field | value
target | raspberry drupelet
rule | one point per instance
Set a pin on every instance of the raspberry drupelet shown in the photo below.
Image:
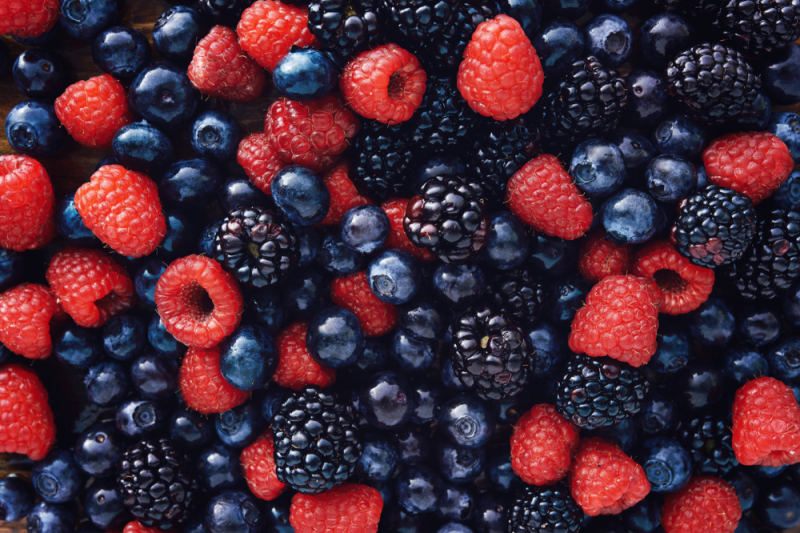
(259, 160)
(600, 258)
(542, 446)
(28, 18)
(258, 467)
(706, 505)
(348, 508)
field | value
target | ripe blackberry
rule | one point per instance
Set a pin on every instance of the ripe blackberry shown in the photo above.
(518, 294)
(345, 27)
(257, 246)
(714, 227)
(709, 441)
(599, 391)
(448, 218)
(317, 442)
(714, 82)
(588, 100)
(772, 262)
(544, 509)
(758, 26)
(381, 157)
(416, 21)
(157, 483)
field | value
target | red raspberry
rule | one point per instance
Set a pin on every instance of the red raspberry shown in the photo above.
(26, 421)
(121, 207)
(600, 258)
(93, 110)
(542, 446)
(138, 527)
(258, 465)
(28, 18)
(766, 424)
(311, 134)
(268, 29)
(219, 68)
(751, 163)
(604, 480)
(348, 508)
(501, 76)
(26, 204)
(296, 368)
(543, 196)
(683, 286)
(26, 312)
(344, 195)
(376, 316)
(203, 387)
(259, 160)
(90, 286)
(395, 209)
(385, 83)
(706, 505)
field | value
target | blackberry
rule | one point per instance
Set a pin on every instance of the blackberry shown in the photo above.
(257, 246)
(345, 27)
(550, 508)
(714, 82)
(448, 218)
(758, 26)
(157, 483)
(317, 442)
(702, 11)
(772, 262)
(416, 21)
(490, 354)
(381, 157)
(599, 391)
(709, 441)
(714, 227)
(588, 100)
(518, 294)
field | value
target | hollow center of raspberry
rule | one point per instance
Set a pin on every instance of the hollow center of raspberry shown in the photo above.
(669, 281)
(110, 303)
(397, 85)
(197, 302)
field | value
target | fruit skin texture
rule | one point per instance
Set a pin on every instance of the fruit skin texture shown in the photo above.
(296, 368)
(25, 314)
(26, 204)
(259, 160)
(604, 480)
(268, 29)
(600, 258)
(542, 195)
(258, 467)
(93, 110)
(138, 527)
(353, 293)
(28, 18)
(620, 320)
(344, 195)
(766, 424)
(348, 508)
(395, 209)
(203, 387)
(706, 505)
(501, 76)
(542, 446)
(26, 421)
(752, 163)
(121, 207)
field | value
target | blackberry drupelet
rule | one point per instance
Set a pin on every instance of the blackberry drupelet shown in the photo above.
(714, 82)
(345, 27)
(714, 227)
(518, 294)
(490, 354)
(257, 246)
(550, 508)
(317, 442)
(758, 26)
(416, 21)
(448, 218)
(382, 159)
(599, 391)
(157, 483)
(772, 262)
(445, 51)
(709, 440)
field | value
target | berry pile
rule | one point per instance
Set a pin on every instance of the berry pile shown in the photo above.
(484, 266)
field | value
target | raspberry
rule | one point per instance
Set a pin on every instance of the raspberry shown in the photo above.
(542, 445)
(501, 76)
(604, 480)
(259, 160)
(93, 110)
(348, 508)
(121, 207)
(26, 421)
(138, 527)
(268, 29)
(353, 292)
(220, 69)
(683, 286)
(203, 387)
(26, 204)
(258, 466)
(766, 424)
(600, 258)
(706, 505)
(385, 83)
(344, 195)
(754, 164)
(395, 209)
(25, 315)
(619, 319)
(200, 304)
(543, 196)
(296, 368)
(311, 134)
(27, 18)
(90, 286)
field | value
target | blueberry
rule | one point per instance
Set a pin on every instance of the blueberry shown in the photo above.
(623, 434)
(46, 517)
(664, 36)
(70, 225)
(666, 463)
(779, 506)
(423, 319)
(85, 19)
(57, 478)
(597, 167)
(499, 471)
(190, 429)
(699, 385)
(547, 348)
(176, 33)
(124, 337)
(658, 416)
(378, 460)
(609, 38)
(305, 74)
(240, 426)
(146, 278)
(387, 400)
(12, 265)
(338, 258)
(190, 183)
(154, 377)
(743, 364)
(233, 511)
(458, 464)
(103, 505)
(527, 12)
(410, 353)
(787, 197)
(194, 525)
(791, 305)
(40, 40)
(419, 489)
(248, 357)
(271, 402)
(335, 338)
(637, 150)
(262, 307)
(566, 297)
(437, 165)
(467, 421)
(219, 9)
(767, 472)
(459, 285)
(215, 135)
(429, 397)
(110, 160)
(702, 176)
(670, 178)
(373, 358)
(507, 245)
(449, 378)
(162, 340)
(106, 383)
(99, 449)
(38, 74)
(758, 326)
(783, 358)
(553, 256)
(163, 95)
(630, 217)
(77, 346)
(787, 127)
(16, 499)
(183, 230)
(558, 44)
(510, 410)
(142, 147)
(780, 74)
(300, 195)
(413, 444)
(457, 504)
(492, 508)
(136, 418)
(121, 52)
(745, 526)
(679, 135)
(618, 6)
(644, 517)
(305, 294)
(746, 487)
(236, 192)
(33, 129)
(277, 514)
(309, 244)
(712, 324)
(394, 276)
(218, 467)
(364, 228)
(571, 9)
(756, 115)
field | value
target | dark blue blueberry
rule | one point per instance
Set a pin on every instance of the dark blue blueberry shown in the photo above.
(16, 499)
(219, 10)
(335, 338)
(103, 505)
(106, 383)
(32, 128)
(413, 444)
(373, 358)
(338, 258)
(85, 19)
(248, 357)
(644, 517)
(449, 378)
(190, 429)
(301, 195)
(394, 276)
(702, 176)
(305, 293)
(458, 464)
(666, 463)
(233, 511)
(743, 364)
(767, 472)
(146, 278)
(12, 266)
(110, 160)
(423, 319)
(124, 337)
(457, 504)
(664, 36)
(429, 397)
(507, 245)
(99, 449)
(791, 305)
(77, 346)
(787, 197)
(5, 58)
(609, 38)
(183, 230)
(624, 434)
(309, 244)
(411, 353)
(566, 297)
(271, 402)
(176, 33)
(699, 385)
(467, 421)
(215, 135)
(571, 9)
(38, 74)
(786, 126)
(305, 74)
(276, 514)
(364, 228)
(618, 6)
(193, 525)
(758, 326)
(658, 416)
(240, 426)
(552, 256)
(57, 478)
(712, 324)
(387, 400)
(670, 178)
(499, 471)
(558, 44)
(630, 217)
(121, 51)
(40, 40)
(142, 147)
(378, 460)
(637, 150)
(190, 183)
(784, 358)
(547, 347)
(154, 377)
(459, 285)
(673, 349)
(778, 506)
(492, 508)
(262, 307)
(46, 517)
(756, 116)
(418, 489)
(70, 225)
(746, 487)
(679, 135)
(597, 167)
(163, 95)
(780, 74)
(218, 467)
(436, 165)
(162, 340)
(136, 418)
(237, 192)
(510, 410)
